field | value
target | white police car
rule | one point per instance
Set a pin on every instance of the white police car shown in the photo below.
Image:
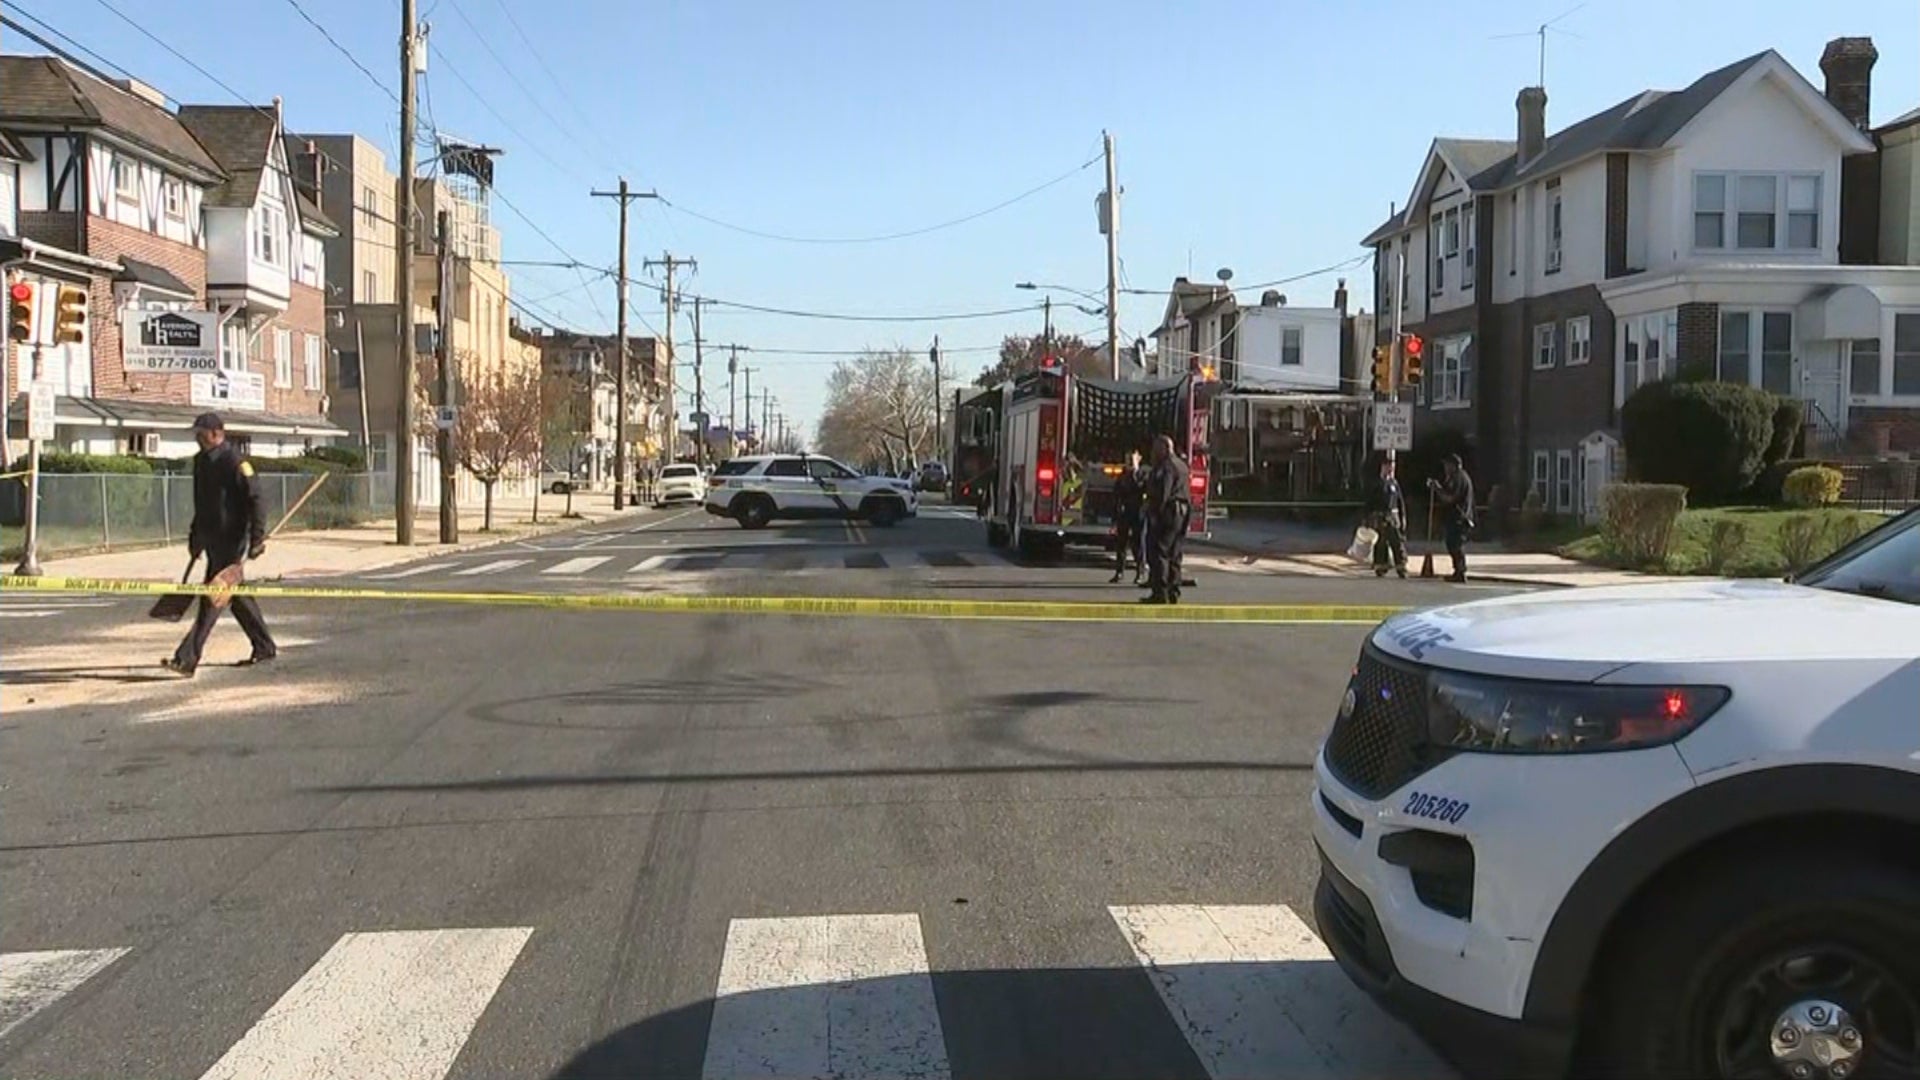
(1653, 831)
(756, 490)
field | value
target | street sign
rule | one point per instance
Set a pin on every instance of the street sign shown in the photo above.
(40, 413)
(170, 341)
(1393, 425)
(444, 417)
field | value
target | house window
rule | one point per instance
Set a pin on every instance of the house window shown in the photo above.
(1543, 475)
(1863, 366)
(1579, 340)
(1406, 275)
(1758, 204)
(1629, 358)
(1466, 260)
(313, 365)
(1735, 362)
(126, 180)
(1290, 337)
(1543, 342)
(1513, 234)
(1563, 482)
(269, 235)
(1653, 353)
(174, 194)
(1554, 234)
(1776, 352)
(1453, 371)
(1710, 211)
(1766, 336)
(233, 345)
(283, 358)
(1906, 354)
(1436, 242)
(380, 454)
(369, 206)
(369, 287)
(1452, 232)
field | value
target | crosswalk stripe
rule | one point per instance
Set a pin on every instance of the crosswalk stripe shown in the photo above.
(423, 568)
(577, 566)
(493, 567)
(26, 614)
(31, 981)
(1257, 994)
(395, 1004)
(651, 562)
(835, 995)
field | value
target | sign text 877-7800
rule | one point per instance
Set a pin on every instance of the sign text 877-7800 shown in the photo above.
(199, 364)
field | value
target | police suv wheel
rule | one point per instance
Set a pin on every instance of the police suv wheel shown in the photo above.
(753, 511)
(884, 512)
(1784, 962)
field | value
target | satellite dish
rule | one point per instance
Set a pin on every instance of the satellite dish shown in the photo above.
(1224, 274)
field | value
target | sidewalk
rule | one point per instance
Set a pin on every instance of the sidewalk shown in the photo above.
(359, 548)
(1322, 548)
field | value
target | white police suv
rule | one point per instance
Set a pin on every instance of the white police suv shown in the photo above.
(756, 490)
(1652, 831)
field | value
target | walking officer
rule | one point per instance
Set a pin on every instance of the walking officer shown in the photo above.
(1129, 498)
(1169, 505)
(229, 527)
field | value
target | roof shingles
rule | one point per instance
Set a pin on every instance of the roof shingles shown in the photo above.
(45, 90)
(240, 138)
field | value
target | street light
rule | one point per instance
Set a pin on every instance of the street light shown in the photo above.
(1101, 304)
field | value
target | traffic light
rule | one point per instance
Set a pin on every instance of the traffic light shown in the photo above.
(20, 312)
(70, 316)
(1414, 350)
(1382, 369)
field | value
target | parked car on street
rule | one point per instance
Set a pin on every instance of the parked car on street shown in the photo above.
(932, 477)
(759, 489)
(1658, 831)
(681, 483)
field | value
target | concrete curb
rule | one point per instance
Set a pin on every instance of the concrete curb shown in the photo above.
(1494, 578)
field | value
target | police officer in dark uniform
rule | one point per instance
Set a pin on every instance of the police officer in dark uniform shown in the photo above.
(1169, 505)
(229, 527)
(1129, 501)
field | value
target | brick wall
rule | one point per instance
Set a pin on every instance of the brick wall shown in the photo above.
(1902, 426)
(60, 228)
(306, 316)
(1698, 338)
(113, 241)
(1616, 215)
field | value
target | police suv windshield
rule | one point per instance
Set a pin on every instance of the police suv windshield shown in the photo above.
(1884, 564)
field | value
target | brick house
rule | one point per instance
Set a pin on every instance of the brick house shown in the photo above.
(114, 190)
(1702, 228)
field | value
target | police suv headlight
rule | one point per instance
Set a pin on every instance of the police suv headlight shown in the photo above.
(1478, 713)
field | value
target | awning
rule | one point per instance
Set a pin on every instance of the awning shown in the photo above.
(103, 412)
(153, 278)
(1846, 311)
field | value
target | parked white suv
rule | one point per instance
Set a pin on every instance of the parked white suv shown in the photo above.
(681, 483)
(756, 490)
(1653, 831)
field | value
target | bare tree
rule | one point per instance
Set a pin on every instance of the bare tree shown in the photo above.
(1019, 355)
(499, 423)
(879, 409)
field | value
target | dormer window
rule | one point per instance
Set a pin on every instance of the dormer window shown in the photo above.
(270, 235)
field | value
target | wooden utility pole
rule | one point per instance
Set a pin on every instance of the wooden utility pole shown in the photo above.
(403, 222)
(748, 398)
(1110, 225)
(620, 333)
(938, 452)
(671, 299)
(443, 349)
(733, 415)
(699, 392)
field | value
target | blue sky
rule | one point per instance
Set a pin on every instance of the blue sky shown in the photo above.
(1266, 137)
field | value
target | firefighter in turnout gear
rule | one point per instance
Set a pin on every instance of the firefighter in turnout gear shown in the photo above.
(1129, 498)
(1169, 505)
(229, 527)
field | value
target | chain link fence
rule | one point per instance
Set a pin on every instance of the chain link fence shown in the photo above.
(88, 512)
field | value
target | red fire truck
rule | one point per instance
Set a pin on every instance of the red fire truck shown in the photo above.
(1051, 445)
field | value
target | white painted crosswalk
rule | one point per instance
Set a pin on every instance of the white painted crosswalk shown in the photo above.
(577, 565)
(494, 567)
(1250, 989)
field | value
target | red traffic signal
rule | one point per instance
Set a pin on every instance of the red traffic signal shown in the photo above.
(1414, 345)
(21, 292)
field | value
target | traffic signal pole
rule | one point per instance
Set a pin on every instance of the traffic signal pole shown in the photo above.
(1394, 361)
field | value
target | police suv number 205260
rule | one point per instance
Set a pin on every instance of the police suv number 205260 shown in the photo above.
(1662, 831)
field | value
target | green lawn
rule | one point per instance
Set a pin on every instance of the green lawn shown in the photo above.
(1762, 554)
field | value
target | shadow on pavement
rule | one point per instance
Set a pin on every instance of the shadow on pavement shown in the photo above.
(61, 676)
(1245, 1019)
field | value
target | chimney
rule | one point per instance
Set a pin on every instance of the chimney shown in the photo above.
(1272, 298)
(319, 173)
(1340, 297)
(1848, 63)
(1532, 107)
(142, 91)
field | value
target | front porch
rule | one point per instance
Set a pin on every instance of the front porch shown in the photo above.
(1281, 449)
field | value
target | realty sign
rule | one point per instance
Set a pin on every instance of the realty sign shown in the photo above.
(170, 341)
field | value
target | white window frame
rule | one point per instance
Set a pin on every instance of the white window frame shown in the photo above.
(282, 357)
(315, 368)
(1579, 340)
(1543, 475)
(1436, 236)
(1467, 251)
(1891, 354)
(369, 205)
(1782, 213)
(1545, 346)
(1563, 486)
(369, 287)
(1556, 233)
(126, 179)
(270, 235)
(1294, 339)
(1879, 355)
(173, 197)
(1755, 345)
(233, 345)
(1452, 376)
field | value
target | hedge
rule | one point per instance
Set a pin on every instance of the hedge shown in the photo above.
(1636, 520)
(1789, 419)
(1814, 485)
(1708, 437)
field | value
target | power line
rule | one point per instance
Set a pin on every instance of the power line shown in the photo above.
(504, 66)
(845, 317)
(62, 53)
(178, 55)
(441, 55)
(342, 50)
(1029, 193)
(1346, 264)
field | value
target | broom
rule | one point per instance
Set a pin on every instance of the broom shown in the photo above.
(173, 606)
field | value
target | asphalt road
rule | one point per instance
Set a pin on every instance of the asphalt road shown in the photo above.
(477, 841)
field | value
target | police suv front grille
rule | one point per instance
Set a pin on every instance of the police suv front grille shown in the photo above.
(1383, 744)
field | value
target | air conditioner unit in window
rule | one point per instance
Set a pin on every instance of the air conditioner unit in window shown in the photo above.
(1553, 259)
(147, 444)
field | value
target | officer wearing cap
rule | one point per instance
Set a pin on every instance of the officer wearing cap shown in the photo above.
(229, 527)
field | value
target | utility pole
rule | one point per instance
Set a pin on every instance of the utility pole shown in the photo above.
(671, 300)
(443, 346)
(1047, 345)
(938, 446)
(766, 416)
(1110, 224)
(748, 397)
(733, 417)
(699, 392)
(620, 332)
(403, 420)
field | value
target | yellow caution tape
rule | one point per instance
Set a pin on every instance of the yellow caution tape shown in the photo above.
(868, 606)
